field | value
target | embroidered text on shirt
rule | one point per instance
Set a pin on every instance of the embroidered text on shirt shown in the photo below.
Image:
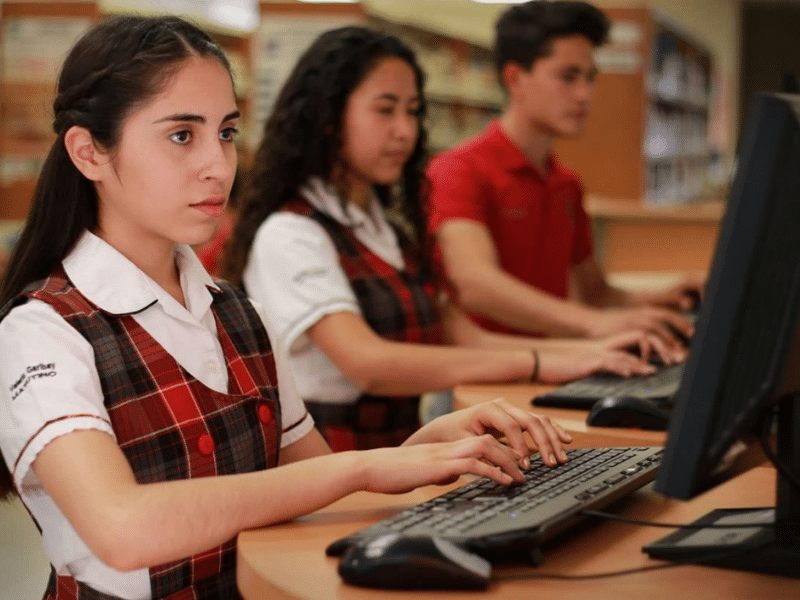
(32, 372)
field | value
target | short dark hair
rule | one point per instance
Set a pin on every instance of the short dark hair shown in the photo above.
(525, 32)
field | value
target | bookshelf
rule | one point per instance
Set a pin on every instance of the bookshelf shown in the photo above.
(646, 140)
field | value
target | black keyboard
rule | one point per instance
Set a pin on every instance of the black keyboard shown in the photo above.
(495, 520)
(659, 387)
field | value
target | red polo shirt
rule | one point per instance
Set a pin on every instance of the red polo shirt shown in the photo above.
(537, 220)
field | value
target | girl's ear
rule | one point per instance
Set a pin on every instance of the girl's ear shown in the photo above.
(85, 155)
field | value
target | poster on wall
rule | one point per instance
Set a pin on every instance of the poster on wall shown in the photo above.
(277, 45)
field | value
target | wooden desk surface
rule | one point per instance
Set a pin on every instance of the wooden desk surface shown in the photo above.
(288, 561)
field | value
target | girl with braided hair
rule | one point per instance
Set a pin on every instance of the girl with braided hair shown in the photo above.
(143, 419)
(332, 241)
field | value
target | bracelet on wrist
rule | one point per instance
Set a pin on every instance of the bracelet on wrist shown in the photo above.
(535, 373)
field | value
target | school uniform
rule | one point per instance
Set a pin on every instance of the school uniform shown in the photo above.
(318, 256)
(186, 392)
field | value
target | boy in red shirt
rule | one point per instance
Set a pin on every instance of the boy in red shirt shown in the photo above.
(509, 218)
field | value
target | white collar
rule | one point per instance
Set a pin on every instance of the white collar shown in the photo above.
(119, 287)
(324, 197)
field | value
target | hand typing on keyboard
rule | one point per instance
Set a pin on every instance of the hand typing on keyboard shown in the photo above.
(648, 347)
(625, 354)
(660, 322)
(501, 419)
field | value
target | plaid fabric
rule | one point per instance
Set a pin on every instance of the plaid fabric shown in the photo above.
(170, 426)
(372, 422)
(220, 587)
(399, 306)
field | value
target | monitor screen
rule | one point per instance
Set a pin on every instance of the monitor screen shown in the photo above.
(744, 362)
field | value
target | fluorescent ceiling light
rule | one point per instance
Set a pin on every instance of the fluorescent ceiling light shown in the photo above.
(235, 14)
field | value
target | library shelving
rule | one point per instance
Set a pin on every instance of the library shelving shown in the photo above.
(646, 139)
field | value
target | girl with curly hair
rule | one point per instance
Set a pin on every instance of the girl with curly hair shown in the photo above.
(332, 240)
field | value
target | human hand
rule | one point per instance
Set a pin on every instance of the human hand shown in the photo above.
(667, 325)
(501, 419)
(400, 470)
(562, 367)
(684, 296)
(642, 344)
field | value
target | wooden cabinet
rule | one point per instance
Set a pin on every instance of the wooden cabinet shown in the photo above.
(646, 138)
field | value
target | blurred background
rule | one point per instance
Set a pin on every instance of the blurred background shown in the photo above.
(656, 158)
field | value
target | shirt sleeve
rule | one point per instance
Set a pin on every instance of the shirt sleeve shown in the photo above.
(456, 191)
(294, 272)
(296, 420)
(49, 386)
(582, 248)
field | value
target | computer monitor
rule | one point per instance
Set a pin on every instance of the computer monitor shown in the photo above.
(744, 363)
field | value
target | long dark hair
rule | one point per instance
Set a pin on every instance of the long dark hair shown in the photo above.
(116, 67)
(303, 138)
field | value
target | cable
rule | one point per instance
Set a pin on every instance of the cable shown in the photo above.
(613, 517)
(607, 574)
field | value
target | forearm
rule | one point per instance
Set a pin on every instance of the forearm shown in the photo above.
(130, 525)
(408, 369)
(168, 521)
(460, 330)
(608, 296)
(379, 366)
(512, 302)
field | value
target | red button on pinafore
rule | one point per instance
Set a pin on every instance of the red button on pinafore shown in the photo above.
(264, 414)
(205, 444)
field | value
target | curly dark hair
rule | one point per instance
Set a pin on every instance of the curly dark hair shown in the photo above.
(303, 138)
(525, 32)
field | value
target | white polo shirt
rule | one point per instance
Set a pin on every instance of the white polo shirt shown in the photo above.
(293, 270)
(49, 385)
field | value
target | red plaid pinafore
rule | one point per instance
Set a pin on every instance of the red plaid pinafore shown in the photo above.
(397, 305)
(170, 426)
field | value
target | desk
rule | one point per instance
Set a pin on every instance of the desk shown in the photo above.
(288, 561)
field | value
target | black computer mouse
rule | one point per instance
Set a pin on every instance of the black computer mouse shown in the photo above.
(396, 561)
(628, 411)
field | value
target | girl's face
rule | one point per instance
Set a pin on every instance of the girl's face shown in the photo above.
(381, 124)
(169, 179)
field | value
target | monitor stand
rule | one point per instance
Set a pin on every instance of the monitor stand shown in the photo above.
(752, 547)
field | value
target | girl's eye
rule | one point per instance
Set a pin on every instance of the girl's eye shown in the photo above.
(181, 137)
(228, 134)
